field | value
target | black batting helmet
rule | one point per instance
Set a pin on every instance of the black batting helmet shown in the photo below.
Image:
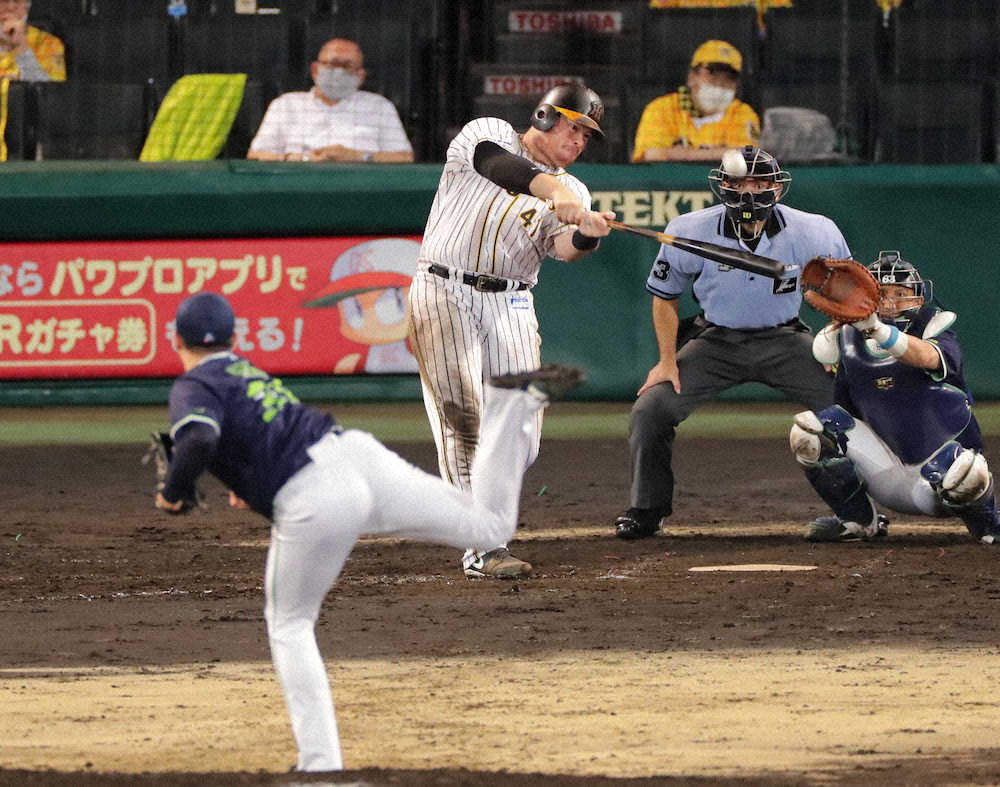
(574, 101)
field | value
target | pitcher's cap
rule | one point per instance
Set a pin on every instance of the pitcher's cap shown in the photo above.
(205, 319)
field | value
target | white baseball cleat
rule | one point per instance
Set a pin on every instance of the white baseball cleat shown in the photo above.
(497, 563)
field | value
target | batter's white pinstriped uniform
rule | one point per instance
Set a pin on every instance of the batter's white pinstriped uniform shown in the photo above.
(461, 335)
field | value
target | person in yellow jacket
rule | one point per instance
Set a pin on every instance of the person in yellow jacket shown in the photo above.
(26, 52)
(703, 117)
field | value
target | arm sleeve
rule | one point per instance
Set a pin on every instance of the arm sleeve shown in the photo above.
(194, 450)
(462, 150)
(507, 170)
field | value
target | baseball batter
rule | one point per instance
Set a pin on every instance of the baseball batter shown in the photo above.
(901, 431)
(323, 487)
(749, 330)
(504, 203)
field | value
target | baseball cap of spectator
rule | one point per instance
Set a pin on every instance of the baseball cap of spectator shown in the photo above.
(205, 319)
(718, 52)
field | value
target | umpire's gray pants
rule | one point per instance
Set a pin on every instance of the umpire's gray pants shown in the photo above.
(716, 360)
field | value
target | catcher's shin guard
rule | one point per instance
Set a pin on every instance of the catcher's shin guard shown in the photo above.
(838, 483)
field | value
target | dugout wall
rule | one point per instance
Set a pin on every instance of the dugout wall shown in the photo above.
(595, 313)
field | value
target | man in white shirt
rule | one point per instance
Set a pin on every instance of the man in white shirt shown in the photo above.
(334, 121)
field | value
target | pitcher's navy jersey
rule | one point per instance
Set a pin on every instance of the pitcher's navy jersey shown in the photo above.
(263, 431)
(915, 411)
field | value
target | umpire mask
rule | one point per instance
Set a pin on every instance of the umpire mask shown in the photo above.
(336, 83)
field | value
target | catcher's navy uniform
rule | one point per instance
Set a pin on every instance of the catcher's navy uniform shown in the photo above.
(896, 431)
(892, 397)
(324, 488)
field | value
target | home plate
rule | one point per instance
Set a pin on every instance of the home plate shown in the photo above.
(755, 567)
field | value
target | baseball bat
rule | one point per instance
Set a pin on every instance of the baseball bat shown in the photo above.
(736, 258)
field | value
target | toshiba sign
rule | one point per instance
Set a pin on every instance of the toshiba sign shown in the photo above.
(561, 21)
(523, 84)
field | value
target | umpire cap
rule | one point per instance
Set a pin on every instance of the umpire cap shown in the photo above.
(573, 101)
(205, 319)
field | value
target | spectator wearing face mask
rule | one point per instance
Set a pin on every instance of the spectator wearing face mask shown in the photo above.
(334, 121)
(704, 117)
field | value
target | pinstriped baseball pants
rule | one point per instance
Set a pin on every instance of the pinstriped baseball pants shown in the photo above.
(461, 338)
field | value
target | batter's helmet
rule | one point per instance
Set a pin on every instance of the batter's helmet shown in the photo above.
(576, 102)
(891, 268)
(727, 179)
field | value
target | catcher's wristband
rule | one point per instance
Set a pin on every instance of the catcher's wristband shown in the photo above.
(897, 342)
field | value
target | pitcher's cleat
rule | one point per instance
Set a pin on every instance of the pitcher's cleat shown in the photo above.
(550, 381)
(498, 563)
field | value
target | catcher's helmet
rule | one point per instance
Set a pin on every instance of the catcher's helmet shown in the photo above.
(890, 268)
(728, 180)
(576, 102)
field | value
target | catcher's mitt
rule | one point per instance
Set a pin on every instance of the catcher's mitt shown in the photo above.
(161, 451)
(844, 289)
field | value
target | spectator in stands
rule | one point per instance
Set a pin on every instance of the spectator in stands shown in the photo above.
(334, 121)
(26, 52)
(704, 117)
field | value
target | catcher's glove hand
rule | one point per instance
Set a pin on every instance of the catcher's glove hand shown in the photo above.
(161, 451)
(844, 289)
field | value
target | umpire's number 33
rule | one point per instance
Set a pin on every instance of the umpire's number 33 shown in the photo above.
(661, 268)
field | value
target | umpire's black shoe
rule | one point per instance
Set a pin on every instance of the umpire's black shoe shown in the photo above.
(638, 523)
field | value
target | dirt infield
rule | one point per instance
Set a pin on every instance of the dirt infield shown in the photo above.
(134, 649)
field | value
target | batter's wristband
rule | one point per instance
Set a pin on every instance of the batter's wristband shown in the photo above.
(897, 342)
(584, 242)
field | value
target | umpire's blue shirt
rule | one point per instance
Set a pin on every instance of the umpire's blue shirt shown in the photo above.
(734, 298)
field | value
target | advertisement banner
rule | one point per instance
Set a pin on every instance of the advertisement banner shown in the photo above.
(335, 305)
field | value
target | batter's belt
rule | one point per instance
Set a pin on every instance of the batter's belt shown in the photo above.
(480, 281)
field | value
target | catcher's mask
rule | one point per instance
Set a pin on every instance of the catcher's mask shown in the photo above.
(749, 185)
(574, 102)
(891, 270)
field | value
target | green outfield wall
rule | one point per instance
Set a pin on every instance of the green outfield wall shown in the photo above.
(594, 313)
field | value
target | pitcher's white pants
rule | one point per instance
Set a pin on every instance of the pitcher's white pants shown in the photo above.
(355, 486)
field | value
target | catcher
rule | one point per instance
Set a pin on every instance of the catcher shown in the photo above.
(901, 431)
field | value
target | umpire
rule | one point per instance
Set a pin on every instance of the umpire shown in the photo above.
(748, 330)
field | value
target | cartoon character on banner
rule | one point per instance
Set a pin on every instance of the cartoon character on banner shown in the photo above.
(369, 284)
